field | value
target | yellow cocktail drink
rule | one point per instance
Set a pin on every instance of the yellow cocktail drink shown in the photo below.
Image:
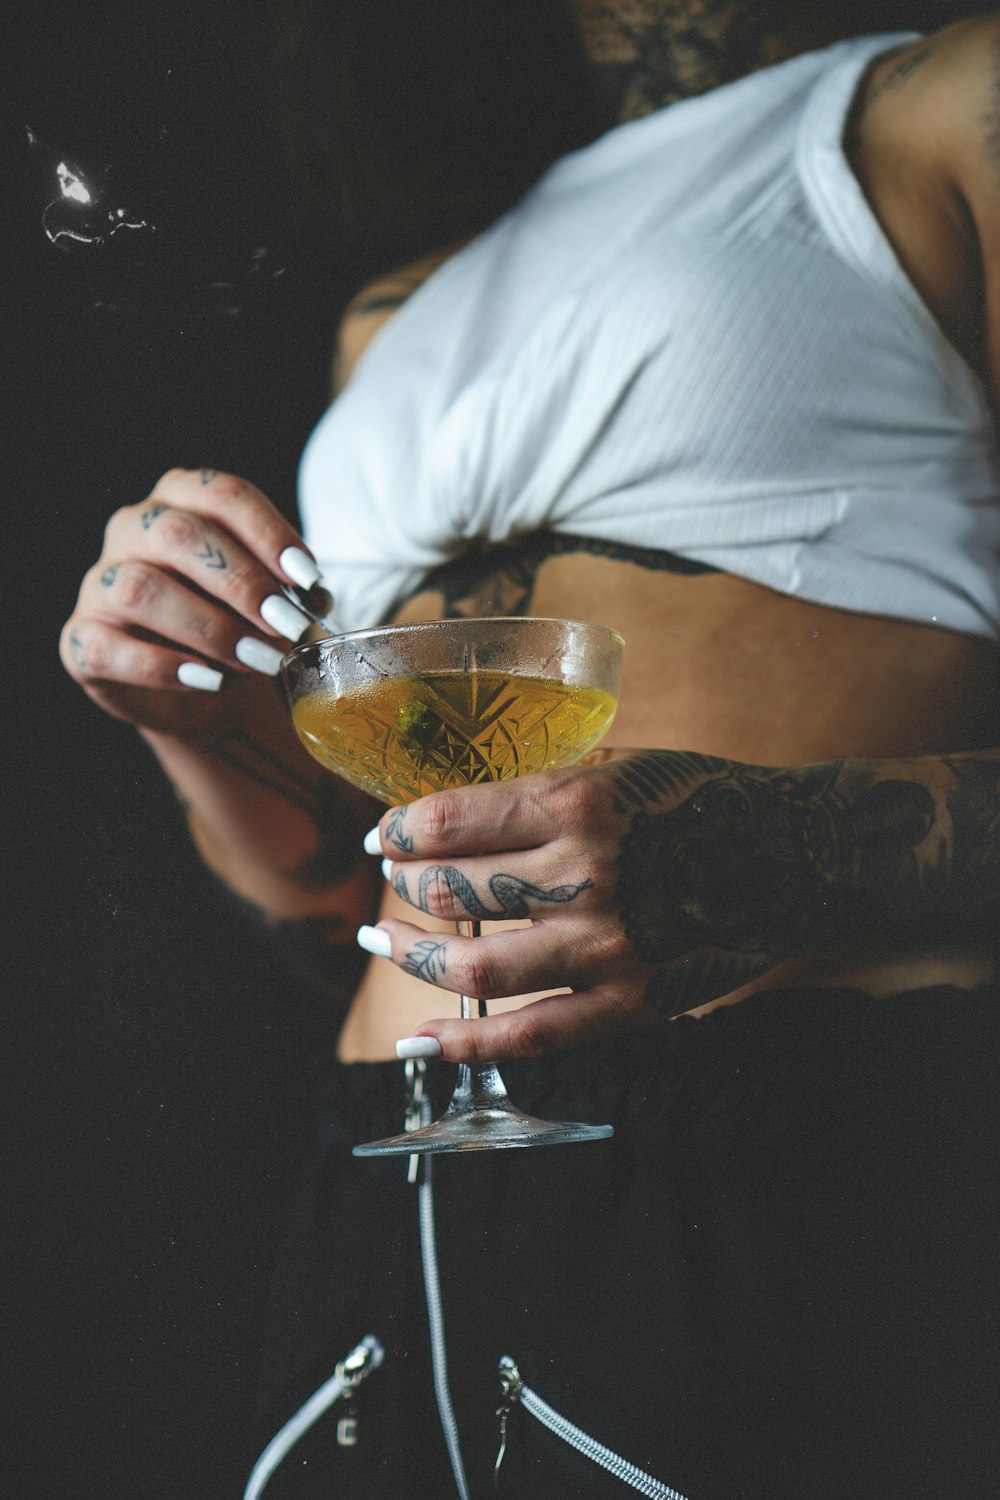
(400, 738)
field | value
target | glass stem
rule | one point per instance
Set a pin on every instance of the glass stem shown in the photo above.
(471, 930)
(479, 1085)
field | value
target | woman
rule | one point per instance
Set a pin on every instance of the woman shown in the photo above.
(723, 380)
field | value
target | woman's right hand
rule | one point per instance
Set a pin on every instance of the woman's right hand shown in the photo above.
(183, 607)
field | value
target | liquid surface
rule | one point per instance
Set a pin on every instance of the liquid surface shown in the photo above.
(400, 738)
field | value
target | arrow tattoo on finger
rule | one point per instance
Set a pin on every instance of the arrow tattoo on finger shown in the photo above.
(208, 552)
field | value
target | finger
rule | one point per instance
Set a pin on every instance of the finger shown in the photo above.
(551, 1024)
(498, 816)
(246, 513)
(481, 890)
(138, 595)
(492, 967)
(198, 550)
(97, 654)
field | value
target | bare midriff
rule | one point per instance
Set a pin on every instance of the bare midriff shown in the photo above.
(722, 666)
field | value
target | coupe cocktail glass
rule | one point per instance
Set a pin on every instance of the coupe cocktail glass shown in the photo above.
(405, 710)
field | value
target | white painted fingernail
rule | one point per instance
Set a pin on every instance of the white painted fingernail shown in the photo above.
(299, 567)
(387, 868)
(282, 616)
(419, 1046)
(374, 940)
(373, 843)
(195, 674)
(258, 655)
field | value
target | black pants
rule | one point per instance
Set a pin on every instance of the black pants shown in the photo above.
(778, 1279)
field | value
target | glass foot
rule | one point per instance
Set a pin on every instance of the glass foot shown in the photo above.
(495, 1127)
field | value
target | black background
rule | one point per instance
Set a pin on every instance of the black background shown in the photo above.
(152, 1112)
(150, 1069)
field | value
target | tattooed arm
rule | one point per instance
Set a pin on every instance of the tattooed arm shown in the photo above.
(664, 880)
(645, 54)
(282, 835)
(179, 629)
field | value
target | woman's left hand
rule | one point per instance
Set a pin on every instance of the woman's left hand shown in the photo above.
(610, 863)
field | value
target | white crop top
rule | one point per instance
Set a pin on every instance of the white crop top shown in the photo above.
(691, 335)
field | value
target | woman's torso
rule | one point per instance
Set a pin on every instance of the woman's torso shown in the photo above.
(725, 666)
(691, 335)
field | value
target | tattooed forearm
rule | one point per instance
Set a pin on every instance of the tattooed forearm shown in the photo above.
(334, 815)
(973, 850)
(259, 764)
(726, 869)
(756, 859)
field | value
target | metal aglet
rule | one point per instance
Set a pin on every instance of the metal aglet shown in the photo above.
(364, 1358)
(510, 1380)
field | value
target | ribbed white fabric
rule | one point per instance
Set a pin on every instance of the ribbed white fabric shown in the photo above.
(691, 335)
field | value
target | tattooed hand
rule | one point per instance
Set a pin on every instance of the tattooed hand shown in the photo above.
(184, 596)
(655, 883)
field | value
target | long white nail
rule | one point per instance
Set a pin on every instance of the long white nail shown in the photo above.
(373, 843)
(299, 567)
(195, 674)
(374, 940)
(419, 1046)
(259, 655)
(282, 616)
(387, 869)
